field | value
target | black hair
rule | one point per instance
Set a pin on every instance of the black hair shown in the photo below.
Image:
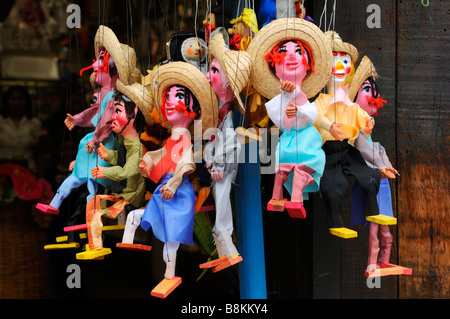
(139, 119)
(112, 68)
(187, 97)
(373, 86)
(5, 112)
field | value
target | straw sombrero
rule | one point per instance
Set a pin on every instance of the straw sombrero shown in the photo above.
(365, 70)
(124, 56)
(262, 77)
(235, 64)
(337, 45)
(140, 96)
(185, 74)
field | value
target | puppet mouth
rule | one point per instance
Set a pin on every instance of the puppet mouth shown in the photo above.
(170, 110)
(291, 65)
(339, 75)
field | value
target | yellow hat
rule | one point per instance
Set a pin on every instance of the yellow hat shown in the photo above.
(248, 16)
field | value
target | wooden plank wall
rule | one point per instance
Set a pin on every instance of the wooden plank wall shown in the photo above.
(411, 56)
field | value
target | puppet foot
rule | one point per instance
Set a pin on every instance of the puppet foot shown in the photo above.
(131, 246)
(386, 269)
(165, 287)
(276, 205)
(382, 219)
(295, 209)
(343, 232)
(61, 246)
(215, 262)
(232, 260)
(48, 209)
(93, 254)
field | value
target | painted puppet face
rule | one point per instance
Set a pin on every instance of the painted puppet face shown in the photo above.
(292, 68)
(193, 50)
(364, 96)
(219, 81)
(119, 118)
(102, 76)
(342, 67)
(175, 106)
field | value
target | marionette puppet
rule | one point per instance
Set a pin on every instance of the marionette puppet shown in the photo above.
(186, 105)
(188, 46)
(229, 72)
(244, 30)
(113, 61)
(363, 90)
(339, 123)
(218, 17)
(292, 54)
(127, 184)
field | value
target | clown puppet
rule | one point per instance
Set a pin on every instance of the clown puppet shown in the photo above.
(339, 123)
(364, 91)
(229, 72)
(186, 105)
(127, 184)
(113, 61)
(292, 63)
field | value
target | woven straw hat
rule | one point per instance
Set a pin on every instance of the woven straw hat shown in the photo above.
(185, 74)
(365, 70)
(140, 96)
(264, 80)
(337, 45)
(124, 56)
(236, 65)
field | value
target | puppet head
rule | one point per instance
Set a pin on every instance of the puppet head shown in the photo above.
(188, 46)
(345, 56)
(218, 17)
(229, 71)
(316, 55)
(363, 89)
(180, 81)
(244, 26)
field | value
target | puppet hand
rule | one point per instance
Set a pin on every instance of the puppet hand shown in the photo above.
(90, 148)
(143, 167)
(102, 152)
(336, 132)
(97, 172)
(291, 110)
(287, 86)
(388, 172)
(166, 193)
(368, 128)
(69, 122)
(216, 175)
(71, 165)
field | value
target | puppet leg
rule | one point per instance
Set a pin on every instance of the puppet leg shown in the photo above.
(170, 256)
(133, 221)
(374, 247)
(386, 244)
(224, 215)
(277, 201)
(302, 177)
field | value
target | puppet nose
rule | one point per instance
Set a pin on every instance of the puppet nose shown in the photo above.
(339, 66)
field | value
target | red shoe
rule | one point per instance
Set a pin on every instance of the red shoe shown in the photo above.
(48, 209)
(295, 209)
(276, 205)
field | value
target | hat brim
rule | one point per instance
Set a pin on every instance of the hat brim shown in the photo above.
(262, 77)
(185, 74)
(236, 65)
(140, 96)
(365, 70)
(337, 45)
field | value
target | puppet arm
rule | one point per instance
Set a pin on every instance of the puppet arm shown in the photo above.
(103, 128)
(185, 166)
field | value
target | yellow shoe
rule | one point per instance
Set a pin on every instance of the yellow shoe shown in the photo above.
(382, 219)
(343, 232)
(61, 246)
(93, 254)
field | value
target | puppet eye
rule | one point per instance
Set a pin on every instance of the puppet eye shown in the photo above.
(180, 96)
(215, 70)
(117, 111)
(345, 61)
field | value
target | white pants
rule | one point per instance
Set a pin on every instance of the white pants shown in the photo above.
(133, 221)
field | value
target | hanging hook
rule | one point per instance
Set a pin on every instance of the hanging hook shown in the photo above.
(425, 3)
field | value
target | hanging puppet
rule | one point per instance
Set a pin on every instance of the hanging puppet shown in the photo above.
(186, 105)
(292, 54)
(229, 72)
(128, 185)
(339, 123)
(188, 46)
(218, 17)
(363, 90)
(113, 61)
(244, 30)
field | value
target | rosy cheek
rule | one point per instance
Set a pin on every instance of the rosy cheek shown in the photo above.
(348, 69)
(214, 80)
(333, 69)
(190, 51)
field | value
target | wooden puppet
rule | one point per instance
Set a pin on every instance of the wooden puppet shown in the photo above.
(218, 17)
(244, 29)
(363, 90)
(188, 46)
(186, 105)
(127, 184)
(229, 72)
(339, 124)
(113, 61)
(292, 54)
